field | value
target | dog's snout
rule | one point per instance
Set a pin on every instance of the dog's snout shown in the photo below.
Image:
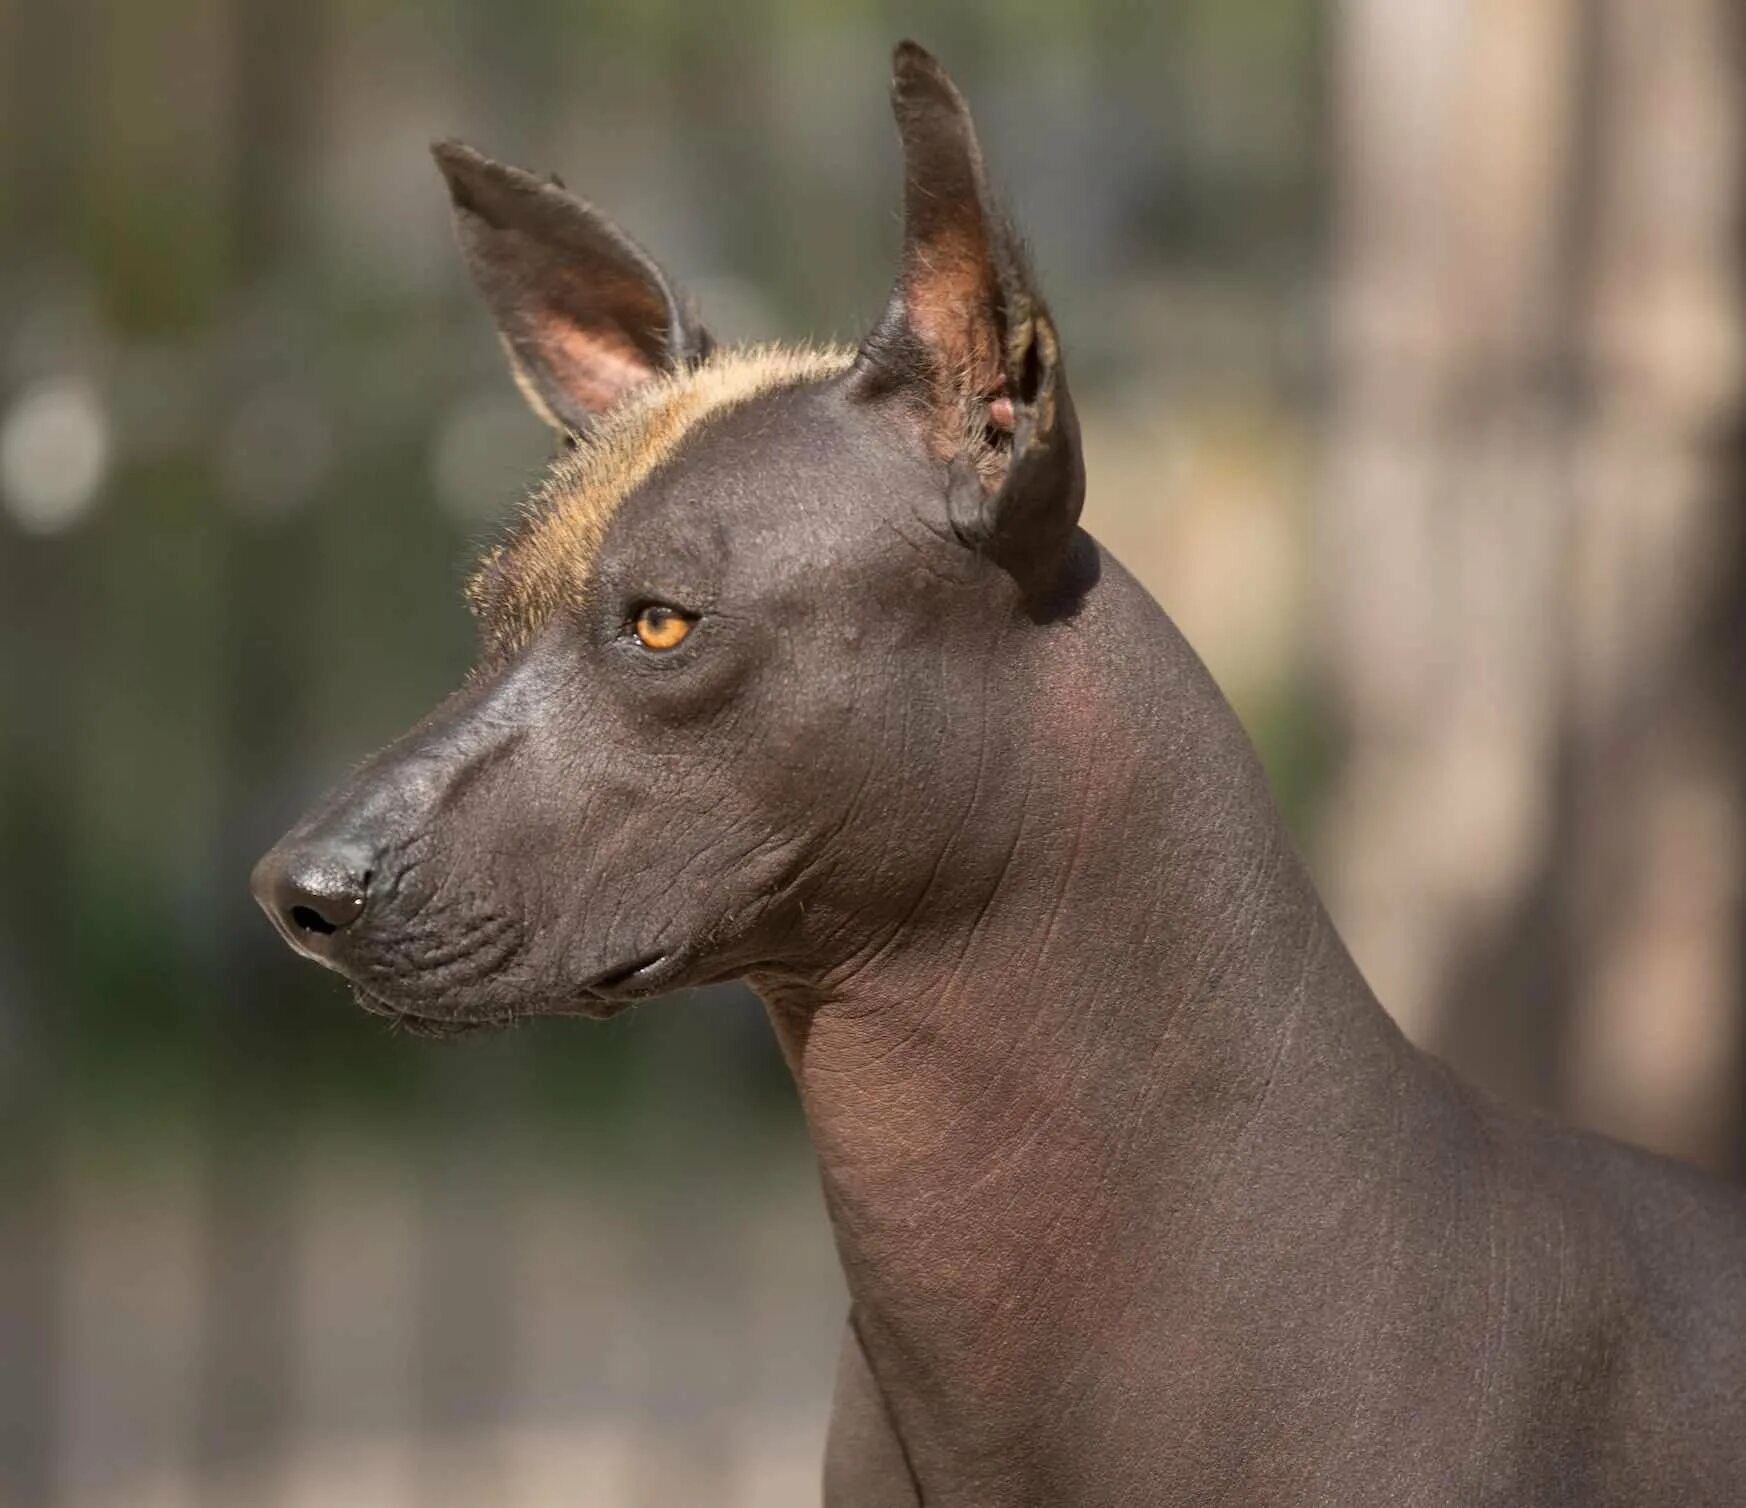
(337, 874)
(313, 892)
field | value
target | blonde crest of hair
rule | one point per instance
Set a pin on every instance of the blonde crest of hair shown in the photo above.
(544, 562)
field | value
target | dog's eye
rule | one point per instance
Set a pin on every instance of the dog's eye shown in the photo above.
(660, 627)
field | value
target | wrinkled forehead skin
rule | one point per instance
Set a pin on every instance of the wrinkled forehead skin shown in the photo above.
(546, 562)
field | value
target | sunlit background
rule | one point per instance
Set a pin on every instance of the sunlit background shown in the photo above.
(1407, 336)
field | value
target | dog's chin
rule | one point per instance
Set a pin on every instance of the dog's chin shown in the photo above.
(435, 1013)
(420, 1021)
(462, 1017)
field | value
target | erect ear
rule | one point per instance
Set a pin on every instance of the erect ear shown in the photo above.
(967, 333)
(584, 312)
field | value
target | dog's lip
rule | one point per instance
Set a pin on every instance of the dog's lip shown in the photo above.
(641, 976)
(625, 984)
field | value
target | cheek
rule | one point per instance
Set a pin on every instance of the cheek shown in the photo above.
(649, 793)
(809, 706)
(832, 736)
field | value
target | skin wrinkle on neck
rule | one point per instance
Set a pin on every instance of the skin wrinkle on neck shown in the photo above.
(1027, 1098)
(1071, 1077)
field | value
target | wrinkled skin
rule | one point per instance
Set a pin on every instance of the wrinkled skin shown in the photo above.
(1139, 1195)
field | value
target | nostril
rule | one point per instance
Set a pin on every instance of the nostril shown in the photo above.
(319, 905)
(313, 892)
(307, 919)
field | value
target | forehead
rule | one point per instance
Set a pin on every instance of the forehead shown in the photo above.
(544, 562)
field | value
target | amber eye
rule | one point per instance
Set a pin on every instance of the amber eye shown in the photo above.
(659, 627)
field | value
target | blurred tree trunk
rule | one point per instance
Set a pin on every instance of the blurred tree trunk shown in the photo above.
(1535, 846)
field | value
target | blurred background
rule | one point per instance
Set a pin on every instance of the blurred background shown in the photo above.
(1408, 340)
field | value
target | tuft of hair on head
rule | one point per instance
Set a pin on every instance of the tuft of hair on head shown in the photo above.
(545, 562)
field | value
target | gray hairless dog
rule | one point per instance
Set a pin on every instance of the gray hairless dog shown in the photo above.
(798, 669)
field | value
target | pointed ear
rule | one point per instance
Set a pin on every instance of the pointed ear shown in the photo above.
(967, 333)
(585, 313)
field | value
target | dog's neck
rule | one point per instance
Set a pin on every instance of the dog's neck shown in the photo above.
(1022, 1127)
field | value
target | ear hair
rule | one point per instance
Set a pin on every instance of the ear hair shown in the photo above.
(585, 313)
(1028, 520)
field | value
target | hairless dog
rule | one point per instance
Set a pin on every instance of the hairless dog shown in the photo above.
(798, 669)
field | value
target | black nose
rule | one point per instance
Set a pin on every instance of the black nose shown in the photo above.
(313, 892)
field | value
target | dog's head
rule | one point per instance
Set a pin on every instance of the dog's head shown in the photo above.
(759, 642)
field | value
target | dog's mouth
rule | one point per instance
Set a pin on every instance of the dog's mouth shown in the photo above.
(605, 995)
(640, 977)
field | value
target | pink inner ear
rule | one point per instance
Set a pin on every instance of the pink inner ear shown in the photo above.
(595, 368)
(950, 291)
(1000, 413)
